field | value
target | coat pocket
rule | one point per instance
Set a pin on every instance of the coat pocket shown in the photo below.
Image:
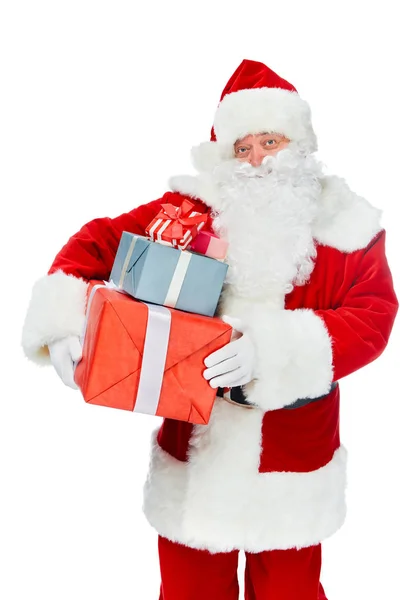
(301, 439)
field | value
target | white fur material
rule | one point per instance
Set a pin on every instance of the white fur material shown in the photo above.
(344, 220)
(208, 155)
(268, 216)
(264, 110)
(266, 221)
(294, 356)
(196, 186)
(56, 310)
(219, 501)
(258, 110)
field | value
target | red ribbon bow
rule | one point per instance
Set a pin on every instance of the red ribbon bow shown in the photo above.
(179, 215)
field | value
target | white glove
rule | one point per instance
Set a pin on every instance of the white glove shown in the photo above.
(234, 364)
(63, 353)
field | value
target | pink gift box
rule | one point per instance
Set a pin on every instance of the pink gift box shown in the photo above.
(209, 244)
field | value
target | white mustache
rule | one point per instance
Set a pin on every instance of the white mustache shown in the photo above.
(286, 163)
(247, 170)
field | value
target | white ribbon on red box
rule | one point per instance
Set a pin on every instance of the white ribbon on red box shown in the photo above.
(154, 354)
(156, 231)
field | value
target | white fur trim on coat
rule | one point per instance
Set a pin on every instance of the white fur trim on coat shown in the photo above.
(220, 502)
(208, 155)
(56, 310)
(344, 221)
(294, 357)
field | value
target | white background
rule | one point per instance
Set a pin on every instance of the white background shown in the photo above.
(100, 104)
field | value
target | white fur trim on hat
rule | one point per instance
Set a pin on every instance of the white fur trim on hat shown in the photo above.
(56, 310)
(260, 110)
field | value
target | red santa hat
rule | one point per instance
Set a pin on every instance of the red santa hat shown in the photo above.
(256, 100)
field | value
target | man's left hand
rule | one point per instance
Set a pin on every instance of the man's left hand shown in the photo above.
(234, 364)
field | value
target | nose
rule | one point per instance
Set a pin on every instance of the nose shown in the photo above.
(256, 156)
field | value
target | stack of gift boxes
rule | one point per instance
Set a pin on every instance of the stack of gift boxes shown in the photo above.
(150, 327)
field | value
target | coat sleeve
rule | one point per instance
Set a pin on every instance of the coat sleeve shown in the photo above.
(360, 328)
(58, 301)
(301, 352)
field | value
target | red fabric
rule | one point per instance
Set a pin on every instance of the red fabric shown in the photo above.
(189, 574)
(173, 437)
(252, 74)
(90, 253)
(301, 439)
(354, 295)
(351, 292)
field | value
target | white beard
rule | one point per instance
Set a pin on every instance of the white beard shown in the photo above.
(266, 214)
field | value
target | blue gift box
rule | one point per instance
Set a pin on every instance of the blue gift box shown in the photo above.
(157, 273)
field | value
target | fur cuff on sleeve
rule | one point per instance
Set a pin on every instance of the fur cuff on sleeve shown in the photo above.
(294, 357)
(56, 309)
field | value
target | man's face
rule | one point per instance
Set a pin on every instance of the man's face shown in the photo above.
(253, 148)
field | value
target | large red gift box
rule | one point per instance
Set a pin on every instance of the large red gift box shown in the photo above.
(147, 358)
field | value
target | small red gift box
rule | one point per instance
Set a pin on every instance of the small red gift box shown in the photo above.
(176, 226)
(147, 358)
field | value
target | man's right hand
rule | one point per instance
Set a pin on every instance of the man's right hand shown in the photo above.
(63, 353)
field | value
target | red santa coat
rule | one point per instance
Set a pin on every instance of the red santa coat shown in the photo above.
(272, 477)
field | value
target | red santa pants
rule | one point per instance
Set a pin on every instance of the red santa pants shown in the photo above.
(189, 574)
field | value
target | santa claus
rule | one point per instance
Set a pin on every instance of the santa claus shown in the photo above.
(310, 295)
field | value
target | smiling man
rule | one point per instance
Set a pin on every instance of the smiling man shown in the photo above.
(310, 296)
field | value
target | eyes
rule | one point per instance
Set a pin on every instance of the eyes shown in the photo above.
(269, 143)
